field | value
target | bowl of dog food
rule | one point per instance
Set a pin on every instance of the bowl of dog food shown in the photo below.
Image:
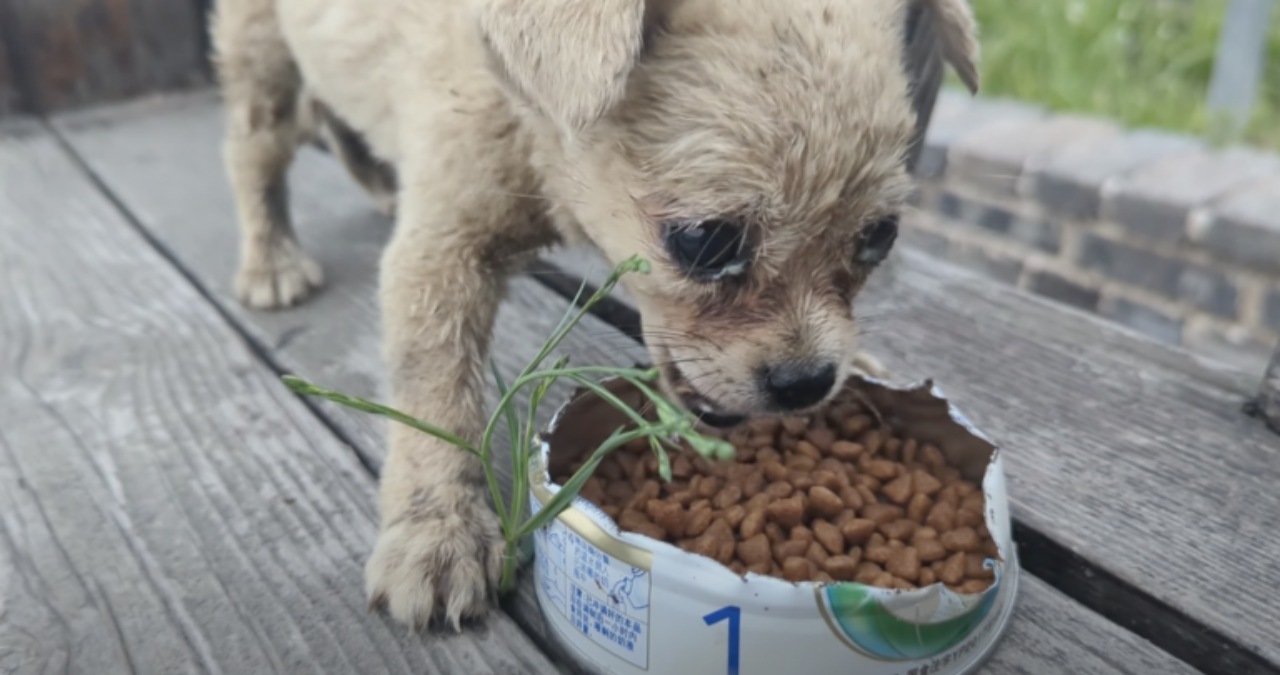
(869, 537)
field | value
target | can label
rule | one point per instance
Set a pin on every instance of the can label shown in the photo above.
(602, 597)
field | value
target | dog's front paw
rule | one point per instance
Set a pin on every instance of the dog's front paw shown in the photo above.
(279, 276)
(434, 560)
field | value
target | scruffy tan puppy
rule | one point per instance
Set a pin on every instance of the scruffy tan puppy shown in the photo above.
(754, 150)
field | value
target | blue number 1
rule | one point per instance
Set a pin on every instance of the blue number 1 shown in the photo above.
(734, 615)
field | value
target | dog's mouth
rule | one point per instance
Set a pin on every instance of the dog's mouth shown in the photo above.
(689, 397)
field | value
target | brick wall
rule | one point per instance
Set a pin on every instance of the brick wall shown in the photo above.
(1153, 230)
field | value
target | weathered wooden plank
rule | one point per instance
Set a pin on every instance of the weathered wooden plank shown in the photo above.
(1135, 455)
(168, 505)
(75, 52)
(135, 148)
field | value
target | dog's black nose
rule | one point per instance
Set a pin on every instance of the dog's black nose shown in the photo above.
(794, 386)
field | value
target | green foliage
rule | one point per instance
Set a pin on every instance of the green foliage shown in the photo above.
(1142, 62)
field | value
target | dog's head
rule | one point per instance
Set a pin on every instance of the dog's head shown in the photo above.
(753, 150)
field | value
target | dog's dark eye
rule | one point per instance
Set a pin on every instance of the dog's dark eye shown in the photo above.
(876, 240)
(708, 249)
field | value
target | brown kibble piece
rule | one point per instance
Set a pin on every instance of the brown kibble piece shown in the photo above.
(824, 503)
(846, 451)
(868, 572)
(649, 530)
(966, 517)
(698, 522)
(779, 490)
(851, 497)
(932, 457)
(808, 450)
(899, 530)
(882, 513)
(925, 483)
(904, 564)
(797, 569)
(841, 567)
(774, 472)
(681, 467)
(790, 549)
(963, 539)
(727, 497)
(878, 554)
(927, 577)
(919, 507)
(801, 533)
(755, 551)
(829, 480)
(786, 512)
(931, 550)
(817, 553)
(669, 517)
(829, 536)
(898, 490)
(734, 515)
(952, 571)
(821, 437)
(775, 533)
(857, 531)
(942, 517)
(752, 524)
(881, 469)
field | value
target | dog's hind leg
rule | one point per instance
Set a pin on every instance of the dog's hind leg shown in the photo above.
(261, 90)
(377, 177)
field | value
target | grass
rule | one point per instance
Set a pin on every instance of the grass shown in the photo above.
(1144, 63)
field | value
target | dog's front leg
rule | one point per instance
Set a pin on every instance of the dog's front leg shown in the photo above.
(439, 550)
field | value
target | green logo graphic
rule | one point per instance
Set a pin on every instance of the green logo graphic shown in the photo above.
(872, 628)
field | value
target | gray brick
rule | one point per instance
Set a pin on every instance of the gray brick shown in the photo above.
(994, 219)
(955, 115)
(1245, 226)
(995, 157)
(1156, 201)
(1203, 287)
(1271, 311)
(1149, 321)
(1070, 182)
(951, 205)
(1043, 234)
(989, 263)
(1062, 289)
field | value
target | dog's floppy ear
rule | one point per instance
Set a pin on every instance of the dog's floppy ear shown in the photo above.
(570, 59)
(958, 38)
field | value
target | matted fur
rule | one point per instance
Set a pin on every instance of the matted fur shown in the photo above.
(503, 126)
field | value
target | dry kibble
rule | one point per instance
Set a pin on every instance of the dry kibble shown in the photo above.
(779, 490)
(846, 450)
(931, 550)
(786, 512)
(790, 549)
(964, 539)
(898, 490)
(755, 550)
(858, 530)
(882, 513)
(832, 497)
(952, 571)
(899, 530)
(841, 567)
(942, 517)
(752, 524)
(919, 507)
(881, 469)
(821, 437)
(817, 553)
(829, 536)
(727, 497)
(904, 563)
(824, 503)
(697, 522)
(797, 569)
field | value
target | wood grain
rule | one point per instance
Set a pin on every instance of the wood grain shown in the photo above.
(134, 149)
(75, 52)
(167, 505)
